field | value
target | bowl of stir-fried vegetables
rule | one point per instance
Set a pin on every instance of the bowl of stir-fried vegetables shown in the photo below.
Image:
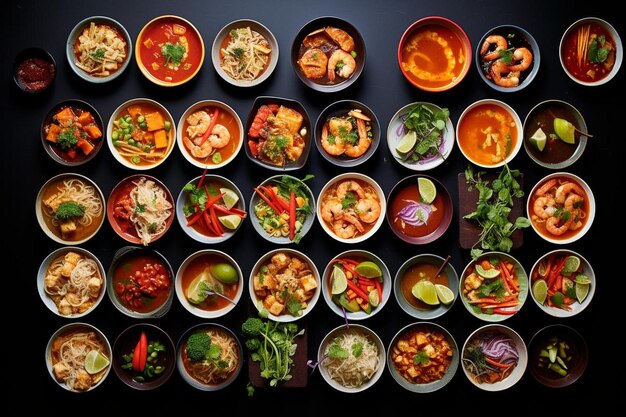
(283, 209)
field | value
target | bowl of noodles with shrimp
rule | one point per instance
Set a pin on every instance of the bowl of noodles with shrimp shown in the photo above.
(209, 356)
(351, 359)
(140, 209)
(71, 282)
(78, 356)
(244, 53)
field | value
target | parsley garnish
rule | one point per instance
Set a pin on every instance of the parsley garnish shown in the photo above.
(598, 52)
(98, 54)
(237, 53)
(173, 53)
(421, 358)
(348, 201)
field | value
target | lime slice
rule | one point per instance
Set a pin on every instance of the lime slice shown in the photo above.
(95, 362)
(564, 130)
(339, 282)
(368, 269)
(568, 287)
(230, 197)
(582, 279)
(540, 291)
(407, 143)
(230, 221)
(542, 269)
(572, 263)
(445, 294)
(225, 273)
(539, 139)
(582, 290)
(487, 273)
(427, 190)
(373, 298)
(425, 291)
(196, 292)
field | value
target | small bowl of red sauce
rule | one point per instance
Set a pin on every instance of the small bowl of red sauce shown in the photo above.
(591, 51)
(140, 282)
(34, 70)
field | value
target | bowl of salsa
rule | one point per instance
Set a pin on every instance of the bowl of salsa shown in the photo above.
(34, 70)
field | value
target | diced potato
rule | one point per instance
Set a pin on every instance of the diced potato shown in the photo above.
(178, 29)
(308, 283)
(160, 139)
(292, 118)
(134, 111)
(85, 118)
(93, 131)
(154, 121)
(53, 133)
(276, 308)
(148, 43)
(65, 116)
(84, 146)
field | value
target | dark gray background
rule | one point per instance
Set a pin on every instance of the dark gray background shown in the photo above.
(25, 167)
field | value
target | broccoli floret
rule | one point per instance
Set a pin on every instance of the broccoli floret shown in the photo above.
(198, 345)
(292, 328)
(253, 326)
(67, 139)
(253, 344)
(69, 210)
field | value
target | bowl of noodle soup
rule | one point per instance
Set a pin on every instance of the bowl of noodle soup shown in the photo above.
(351, 359)
(71, 282)
(245, 53)
(140, 209)
(66, 355)
(70, 208)
(219, 366)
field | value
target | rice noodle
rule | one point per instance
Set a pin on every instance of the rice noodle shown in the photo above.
(77, 191)
(246, 55)
(152, 209)
(100, 50)
(68, 359)
(209, 372)
(353, 371)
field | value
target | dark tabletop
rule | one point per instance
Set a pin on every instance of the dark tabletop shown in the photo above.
(26, 166)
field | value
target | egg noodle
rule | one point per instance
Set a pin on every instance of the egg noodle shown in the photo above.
(353, 371)
(246, 55)
(210, 372)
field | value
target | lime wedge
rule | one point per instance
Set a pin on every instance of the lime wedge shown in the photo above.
(427, 190)
(445, 294)
(582, 290)
(339, 282)
(95, 362)
(196, 292)
(225, 272)
(407, 143)
(487, 273)
(230, 221)
(564, 130)
(572, 263)
(425, 291)
(568, 287)
(368, 269)
(540, 291)
(582, 279)
(230, 197)
(373, 298)
(539, 139)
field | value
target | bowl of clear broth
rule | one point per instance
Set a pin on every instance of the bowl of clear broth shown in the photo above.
(421, 292)
(591, 51)
(434, 54)
(555, 134)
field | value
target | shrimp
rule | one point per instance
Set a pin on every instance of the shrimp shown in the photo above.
(500, 43)
(565, 189)
(573, 201)
(220, 136)
(198, 123)
(544, 207)
(342, 62)
(331, 210)
(578, 221)
(497, 69)
(332, 146)
(524, 56)
(198, 151)
(354, 151)
(345, 186)
(341, 38)
(353, 220)
(343, 230)
(545, 187)
(368, 210)
(553, 228)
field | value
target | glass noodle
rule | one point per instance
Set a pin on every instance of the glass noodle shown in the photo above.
(152, 209)
(358, 366)
(245, 54)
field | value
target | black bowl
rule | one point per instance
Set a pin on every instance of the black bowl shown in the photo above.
(43, 65)
(359, 48)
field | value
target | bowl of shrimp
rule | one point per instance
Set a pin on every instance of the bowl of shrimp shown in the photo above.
(507, 58)
(347, 133)
(351, 207)
(561, 208)
(212, 148)
(328, 54)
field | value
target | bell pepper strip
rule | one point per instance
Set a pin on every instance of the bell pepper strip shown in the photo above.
(254, 148)
(143, 355)
(267, 200)
(357, 290)
(202, 178)
(136, 354)
(224, 210)
(501, 305)
(209, 129)
(216, 222)
(292, 216)
(379, 290)
(504, 312)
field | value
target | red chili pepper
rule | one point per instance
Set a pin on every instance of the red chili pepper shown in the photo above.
(202, 178)
(292, 216)
(214, 117)
(254, 148)
(216, 222)
(136, 354)
(267, 200)
(224, 210)
(379, 290)
(143, 355)
(504, 312)
(357, 290)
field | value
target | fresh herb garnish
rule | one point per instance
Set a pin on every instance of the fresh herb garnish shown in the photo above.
(98, 54)
(67, 139)
(335, 351)
(348, 201)
(197, 196)
(237, 53)
(173, 53)
(421, 358)
(357, 349)
(429, 124)
(598, 50)
(506, 55)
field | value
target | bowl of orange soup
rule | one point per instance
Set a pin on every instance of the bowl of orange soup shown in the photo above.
(169, 50)
(209, 283)
(434, 54)
(489, 133)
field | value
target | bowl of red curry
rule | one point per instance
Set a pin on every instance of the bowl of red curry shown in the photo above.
(34, 70)
(140, 282)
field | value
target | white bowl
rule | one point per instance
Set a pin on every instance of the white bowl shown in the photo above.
(353, 329)
(180, 291)
(619, 54)
(386, 290)
(180, 134)
(586, 270)
(265, 259)
(396, 131)
(518, 128)
(381, 199)
(42, 272)
(193, 233)
(590, 215)
(522, 362)
(78, 326)
(257, 27)
(171, 133)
